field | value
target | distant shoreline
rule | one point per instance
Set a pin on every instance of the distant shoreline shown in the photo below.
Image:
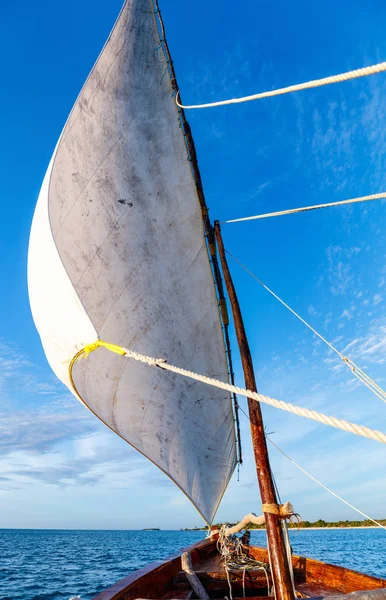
(201, 529)
(348, 527)
(303, 528)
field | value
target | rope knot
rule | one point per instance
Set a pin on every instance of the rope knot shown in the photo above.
(160, 361)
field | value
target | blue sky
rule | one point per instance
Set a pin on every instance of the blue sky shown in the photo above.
(59, 467)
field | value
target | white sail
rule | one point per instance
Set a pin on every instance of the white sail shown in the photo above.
(117, 253)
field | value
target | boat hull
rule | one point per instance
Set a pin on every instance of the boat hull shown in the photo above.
(166, 579)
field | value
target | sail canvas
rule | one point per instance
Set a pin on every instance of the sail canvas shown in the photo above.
(117, 252)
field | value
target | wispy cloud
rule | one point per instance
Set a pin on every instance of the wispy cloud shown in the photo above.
(49, 438)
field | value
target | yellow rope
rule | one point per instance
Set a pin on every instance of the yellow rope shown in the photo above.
(372, 70)
(361, 430)
(307, 208)
(355, 370)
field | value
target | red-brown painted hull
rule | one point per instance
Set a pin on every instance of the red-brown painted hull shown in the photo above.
(164, 579)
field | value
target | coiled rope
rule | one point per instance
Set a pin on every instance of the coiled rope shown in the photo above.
(161, 363)
(292, 211)
(372, 70)
(234, 558)
(355, 370)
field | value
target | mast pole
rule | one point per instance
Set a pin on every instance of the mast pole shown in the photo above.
(278, 555)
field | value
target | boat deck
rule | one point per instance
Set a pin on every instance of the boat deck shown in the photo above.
(166, 579)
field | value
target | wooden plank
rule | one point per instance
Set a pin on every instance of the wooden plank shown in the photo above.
(317, 573)
(162, 579)
(178, 595)
(257, 576)
(312, 590)
(197, 587)
(154, 580)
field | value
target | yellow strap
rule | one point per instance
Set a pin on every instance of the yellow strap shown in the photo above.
(99, 343)
(85, 352)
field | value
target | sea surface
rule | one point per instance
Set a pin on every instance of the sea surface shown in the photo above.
(59, 565)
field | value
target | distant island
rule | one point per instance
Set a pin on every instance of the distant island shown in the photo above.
(319, 524)
(151, 529)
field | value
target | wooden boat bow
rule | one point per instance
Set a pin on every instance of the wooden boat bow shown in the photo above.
(165, 579)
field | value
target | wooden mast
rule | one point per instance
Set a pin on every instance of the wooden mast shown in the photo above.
(279, 562)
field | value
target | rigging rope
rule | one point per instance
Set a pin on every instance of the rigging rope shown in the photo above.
(314, 479)
(357, 371)
(322, 485)
(161, 363)
(372, 70)
(307, 208)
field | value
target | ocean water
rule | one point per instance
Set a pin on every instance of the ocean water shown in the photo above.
(59, 565)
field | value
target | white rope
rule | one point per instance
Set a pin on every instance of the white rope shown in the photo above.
(234, 558)
(270, 566)
(356, 371)
(286, 511)
(307, 208)
(360, 430)
(324, 486)
(243, 524)
(289, 555)
(372, 70)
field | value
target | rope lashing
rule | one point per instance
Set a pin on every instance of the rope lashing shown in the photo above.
(284, 511)
(360, 430)
(292, 211)
(363, 72)
(355, 370)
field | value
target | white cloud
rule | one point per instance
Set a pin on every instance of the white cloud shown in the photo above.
(346, 314)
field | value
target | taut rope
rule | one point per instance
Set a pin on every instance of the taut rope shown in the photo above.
(292, 211)
(355, 370)
(372, 70)
(161, 363)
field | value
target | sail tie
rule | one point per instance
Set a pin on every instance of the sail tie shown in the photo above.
(363, 72)
(348, 426)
